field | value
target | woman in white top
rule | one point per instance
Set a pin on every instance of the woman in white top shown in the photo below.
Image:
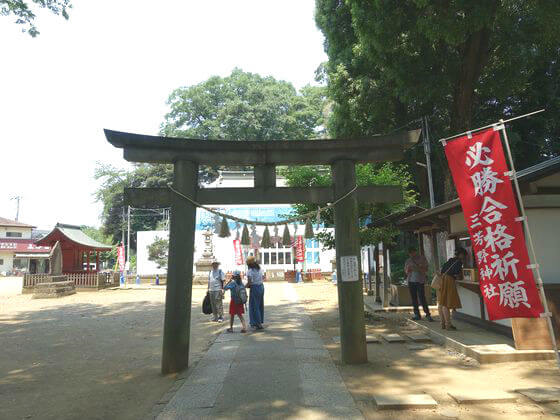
(255, 278)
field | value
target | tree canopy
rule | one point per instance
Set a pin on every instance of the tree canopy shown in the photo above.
(245, 106)
(368, 174)
(242, 106)
(24, 13)
(463, 63)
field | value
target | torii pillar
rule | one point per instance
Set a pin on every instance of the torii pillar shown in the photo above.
(186, 156)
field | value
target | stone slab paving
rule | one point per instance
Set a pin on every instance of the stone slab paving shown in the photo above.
(393, 338)
(418, 337)
(404, 401)
(482, 397)
(283, 372)
(541, 395)
(372, 339)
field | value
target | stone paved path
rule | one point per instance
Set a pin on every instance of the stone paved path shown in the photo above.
(281, 372)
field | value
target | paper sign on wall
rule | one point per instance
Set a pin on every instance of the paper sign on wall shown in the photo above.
(349, 268)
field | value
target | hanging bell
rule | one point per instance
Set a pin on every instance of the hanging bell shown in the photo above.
(265, 242)
(224, 229)
(245, 240)
(308, 230)
(286, 238)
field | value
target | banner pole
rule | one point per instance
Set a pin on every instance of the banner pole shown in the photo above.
(489, 125)
(540, 285)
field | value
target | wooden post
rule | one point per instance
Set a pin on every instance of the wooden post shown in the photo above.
(386, 279)
(177, 322)
(350, 293)
(97, 261)
(377, 273)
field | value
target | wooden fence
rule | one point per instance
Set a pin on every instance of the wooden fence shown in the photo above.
(81, 280)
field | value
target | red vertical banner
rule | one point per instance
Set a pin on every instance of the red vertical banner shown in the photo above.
(237, 252)
(481, 176)
(120, 257)
(300, 249)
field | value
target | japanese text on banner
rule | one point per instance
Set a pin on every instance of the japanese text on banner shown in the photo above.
(481, 176)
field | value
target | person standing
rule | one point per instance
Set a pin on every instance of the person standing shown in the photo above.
(236, 304)
(216, 279)
(416, 267)
(449, 299)
(255, 278)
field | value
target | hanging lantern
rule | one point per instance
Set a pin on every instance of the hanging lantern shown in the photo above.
(224, 229)
(265, 242)
(245, 240)
(286, 238)
(308, 229)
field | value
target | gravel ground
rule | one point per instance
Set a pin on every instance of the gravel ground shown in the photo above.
(92, 355)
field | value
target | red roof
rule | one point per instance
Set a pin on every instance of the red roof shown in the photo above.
(22, 245)
(13, 223)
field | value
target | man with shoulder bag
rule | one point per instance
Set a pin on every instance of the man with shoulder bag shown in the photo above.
(416, 267)
(216, 279)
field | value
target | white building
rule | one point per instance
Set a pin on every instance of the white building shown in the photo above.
(277, 258)
(18, 253)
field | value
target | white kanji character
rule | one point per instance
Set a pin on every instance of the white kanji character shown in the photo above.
(486, 273)
(490, 291)
(490, 207)
(502, 265)
(498, 238)
(475, 221)
(512, 294)
(474, 155)
(482, 255)
(478, 238)
(485, 181)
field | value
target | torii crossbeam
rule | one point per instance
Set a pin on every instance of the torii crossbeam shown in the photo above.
(187, 154)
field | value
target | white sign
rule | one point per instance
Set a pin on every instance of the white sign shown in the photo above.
(349, 268)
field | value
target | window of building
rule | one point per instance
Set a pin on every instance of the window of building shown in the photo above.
(1, 261)
(20, 263)
(288, 257)
(14, 234)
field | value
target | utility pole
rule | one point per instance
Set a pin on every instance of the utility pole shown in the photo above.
(122, 225)
(17, 198)
(427, 152)
(128, 242)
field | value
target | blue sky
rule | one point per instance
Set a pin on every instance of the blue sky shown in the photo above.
(112, 65)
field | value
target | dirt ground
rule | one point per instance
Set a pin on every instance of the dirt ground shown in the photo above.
(92, 355)
(394, 369)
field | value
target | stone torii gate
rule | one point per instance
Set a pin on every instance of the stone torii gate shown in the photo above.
(186, 155)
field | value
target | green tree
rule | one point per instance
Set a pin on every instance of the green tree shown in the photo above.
(366, 174)
(158, 252)
(245, 106)
(464, 63)
(242, 106)
(24, 14)
(110, 193)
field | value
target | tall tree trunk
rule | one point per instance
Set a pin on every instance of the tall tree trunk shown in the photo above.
(475, 53)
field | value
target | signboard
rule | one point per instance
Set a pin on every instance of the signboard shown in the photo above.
(120, 257)
(22, 245)
(481, 176)
(349, 268)
(300, 249)
(237, 252)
